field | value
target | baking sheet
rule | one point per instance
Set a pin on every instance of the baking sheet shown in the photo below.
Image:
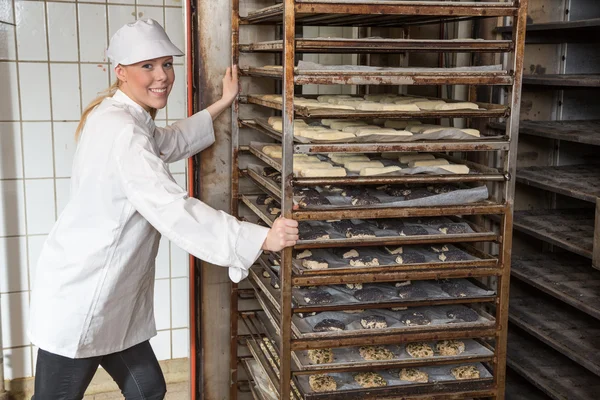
(436, 314)
(351, 355)
(261, 381)
(345, 380)
(456, 197)
(444, 134)
(432, 291)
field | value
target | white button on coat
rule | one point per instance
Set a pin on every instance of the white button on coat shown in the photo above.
(94, 283)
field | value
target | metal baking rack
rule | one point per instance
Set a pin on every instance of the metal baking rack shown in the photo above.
(285, 364)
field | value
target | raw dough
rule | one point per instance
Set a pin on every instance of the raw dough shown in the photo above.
(339, 125)
(320, 356)
(464, 105)
(382, 132)
(354, 128)
(322, 383)
(315, 263)
(415, 318)
(450, 347)
(317, 297)
(429, 105)
(419, 350)
(364, 261)
(375, 353)
(370, 380)
(428, 163)
(322, 172)
(406, 158)
(386, 107)
(370, 171)
(342, 158)
(356, 166)
(303, 254)
(272, 151)
(329, 325)
(413, 375)
(394, 250)
(373, 322)
(456, 168)
(465, 372)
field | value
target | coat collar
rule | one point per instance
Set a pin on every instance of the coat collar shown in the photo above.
(137, 110)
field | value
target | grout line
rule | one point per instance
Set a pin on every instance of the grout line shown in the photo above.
(22, 158)
(97, 3)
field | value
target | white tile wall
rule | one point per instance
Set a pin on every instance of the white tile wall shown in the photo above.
(52, 64)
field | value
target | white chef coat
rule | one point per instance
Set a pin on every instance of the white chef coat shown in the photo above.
(94, 282)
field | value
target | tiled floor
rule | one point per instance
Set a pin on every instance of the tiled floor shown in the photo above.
(175, 391)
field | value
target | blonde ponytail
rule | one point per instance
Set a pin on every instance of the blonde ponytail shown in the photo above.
(107, 93)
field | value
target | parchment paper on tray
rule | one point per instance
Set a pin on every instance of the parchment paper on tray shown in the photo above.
(412, 254)
(442, 373)
(456, 197)
(437, 315)
(351, 355)
(444, 134)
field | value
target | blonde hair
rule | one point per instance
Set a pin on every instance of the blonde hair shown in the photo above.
(102, 95)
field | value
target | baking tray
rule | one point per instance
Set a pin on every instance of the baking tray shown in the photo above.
(462, 196)
(343, 299)
(446, 134)
(476, 234)
(501, 143)
(261, 387)
(474, 258)
(477, 173)
(487, 110)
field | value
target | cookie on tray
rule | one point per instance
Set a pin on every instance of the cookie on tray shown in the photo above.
(320, 356)
(454, 229)
(415, 318)
(450, 347)
(373, 322)
(308, 201)
(313, 234)
(370, 379)
(413, 375)
(369, 294)
(419, 350)
(413, 230)
(394, 250)
(355, 286)
(465, 372)
(317, 297)
(410, 258)
(329, 325)
(462, 314)
(375, 353)
(455, 288)
(303, 254)
(364, 261)
(315, 263)
(346, 253)
(411, 292)
(360, 231)
(364, 200)
(322, 383)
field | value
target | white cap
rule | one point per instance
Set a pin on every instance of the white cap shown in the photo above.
(142, 40)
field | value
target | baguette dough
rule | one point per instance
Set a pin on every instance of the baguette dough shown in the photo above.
(313, 106)
(323, 172)
(354, 128)
(328, 135)
(370, 171)
(342, 158)
(356, 166)
(456, 168)
(340, 125)
(272, 151)
(464, 105)
(429, 105)
(406, 158)
(386, 107)
(428, 163)
(472, 132)
(383, 132)
(326, 97)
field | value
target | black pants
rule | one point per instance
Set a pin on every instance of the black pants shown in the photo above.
(135, 370)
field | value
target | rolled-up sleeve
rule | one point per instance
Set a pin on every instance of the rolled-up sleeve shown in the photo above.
(208, 234)
(185, 138)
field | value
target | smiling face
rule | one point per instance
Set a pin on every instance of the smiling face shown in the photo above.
(149, 82)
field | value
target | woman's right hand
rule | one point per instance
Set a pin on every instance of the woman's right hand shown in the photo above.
(283, 233)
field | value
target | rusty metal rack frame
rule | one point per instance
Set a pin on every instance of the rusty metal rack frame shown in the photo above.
(378, 45)
(293, 13)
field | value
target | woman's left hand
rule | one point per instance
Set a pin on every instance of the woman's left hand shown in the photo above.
(230, 85)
